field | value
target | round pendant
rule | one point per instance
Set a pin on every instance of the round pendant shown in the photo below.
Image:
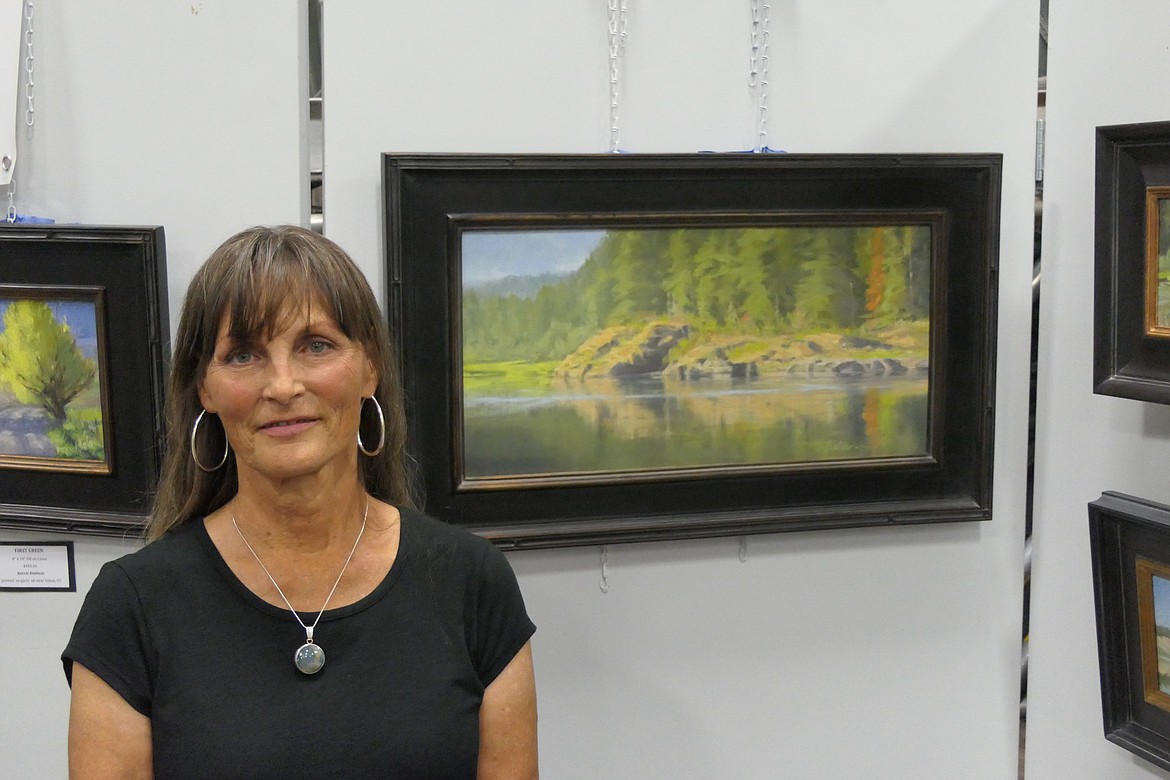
(309, 658)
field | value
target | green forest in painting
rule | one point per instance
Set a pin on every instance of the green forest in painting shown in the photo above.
(740, 286)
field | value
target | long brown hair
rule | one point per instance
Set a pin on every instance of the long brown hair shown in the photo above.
(251, 277)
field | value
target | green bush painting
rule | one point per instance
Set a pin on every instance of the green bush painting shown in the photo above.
(621, 349)
(50, 388)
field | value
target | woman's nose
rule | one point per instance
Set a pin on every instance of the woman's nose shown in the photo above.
(283, 381)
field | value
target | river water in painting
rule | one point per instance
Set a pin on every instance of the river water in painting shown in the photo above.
(605, 425)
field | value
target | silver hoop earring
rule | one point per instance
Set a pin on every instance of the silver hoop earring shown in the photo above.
(194, 457)
(381, 429)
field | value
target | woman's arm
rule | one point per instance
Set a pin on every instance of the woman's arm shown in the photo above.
(107, 737)
(507, 722)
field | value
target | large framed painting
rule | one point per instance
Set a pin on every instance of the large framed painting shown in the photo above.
(1130, 543)
(83, 322)
(1131, 344)
(602, 348)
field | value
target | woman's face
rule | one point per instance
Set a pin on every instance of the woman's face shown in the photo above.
(290, 405)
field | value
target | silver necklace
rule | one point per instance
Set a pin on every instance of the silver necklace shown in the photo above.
(309, 657)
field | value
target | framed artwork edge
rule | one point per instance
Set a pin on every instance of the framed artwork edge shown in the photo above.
(127, 264)
(420, 210)
(1122, 527)
(1131, 357)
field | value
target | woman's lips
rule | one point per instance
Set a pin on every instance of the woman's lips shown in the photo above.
(285, 428)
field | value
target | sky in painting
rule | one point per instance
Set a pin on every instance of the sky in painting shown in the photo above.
(79, 315)
(1161, 601)
(495, 254)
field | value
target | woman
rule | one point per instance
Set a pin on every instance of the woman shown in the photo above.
(292, 616)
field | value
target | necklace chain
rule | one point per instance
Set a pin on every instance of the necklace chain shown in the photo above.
(344, 566)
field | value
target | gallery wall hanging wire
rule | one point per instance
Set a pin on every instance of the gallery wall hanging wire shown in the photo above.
(618, 29)
(761, 42)
(26, 112)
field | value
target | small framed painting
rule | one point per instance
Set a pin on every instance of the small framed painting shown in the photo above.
(1130, 544)
(603, 348)
(1131, 312)
(83, 325)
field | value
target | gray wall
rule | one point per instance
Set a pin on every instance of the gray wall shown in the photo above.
(1106, 65)
(859, 653)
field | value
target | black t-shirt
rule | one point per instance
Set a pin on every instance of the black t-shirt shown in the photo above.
(179, 637)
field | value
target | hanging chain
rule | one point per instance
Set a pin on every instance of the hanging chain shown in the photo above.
(618, 14)
(29, 111)
(758, 67)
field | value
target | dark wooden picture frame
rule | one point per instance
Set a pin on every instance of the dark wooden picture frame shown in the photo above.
(1130, 545)
(1131, 350)
(433, 202)
(120, 272)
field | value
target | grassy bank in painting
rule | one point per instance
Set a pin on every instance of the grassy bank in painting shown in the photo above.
(506, 376)
(624, 425)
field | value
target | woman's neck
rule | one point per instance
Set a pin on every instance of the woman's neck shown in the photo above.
(299, 516)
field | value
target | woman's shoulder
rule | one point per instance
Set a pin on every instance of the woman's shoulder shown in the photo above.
(177, 548)
(437, 539)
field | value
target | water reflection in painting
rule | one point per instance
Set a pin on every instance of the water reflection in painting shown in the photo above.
(641, 425)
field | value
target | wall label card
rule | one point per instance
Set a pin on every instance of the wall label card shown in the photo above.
(37, 566)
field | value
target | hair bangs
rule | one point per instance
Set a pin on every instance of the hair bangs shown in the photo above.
(261, 296)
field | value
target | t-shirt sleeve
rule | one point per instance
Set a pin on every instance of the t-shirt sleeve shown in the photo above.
(502, 625)
(110, 638)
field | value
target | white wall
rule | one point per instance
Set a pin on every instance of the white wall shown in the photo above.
(890, 653)
(1106, 65)
(883, 653)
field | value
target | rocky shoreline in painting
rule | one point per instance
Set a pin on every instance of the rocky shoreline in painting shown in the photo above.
(24, 429)
(670, 350)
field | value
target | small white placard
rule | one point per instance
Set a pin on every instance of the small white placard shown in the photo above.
(37, 566)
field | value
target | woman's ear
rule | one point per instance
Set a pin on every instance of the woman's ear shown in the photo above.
(371, 383)
(204, 398)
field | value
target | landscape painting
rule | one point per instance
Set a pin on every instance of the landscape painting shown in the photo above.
(1161, 588)
(1158, 261)
(51, 383)
(1154, 623)
(665, 347)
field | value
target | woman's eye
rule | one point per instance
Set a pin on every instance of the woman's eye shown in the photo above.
(317, 346)
(239, 357)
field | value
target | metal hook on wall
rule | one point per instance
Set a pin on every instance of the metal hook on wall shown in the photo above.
(604, 569)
